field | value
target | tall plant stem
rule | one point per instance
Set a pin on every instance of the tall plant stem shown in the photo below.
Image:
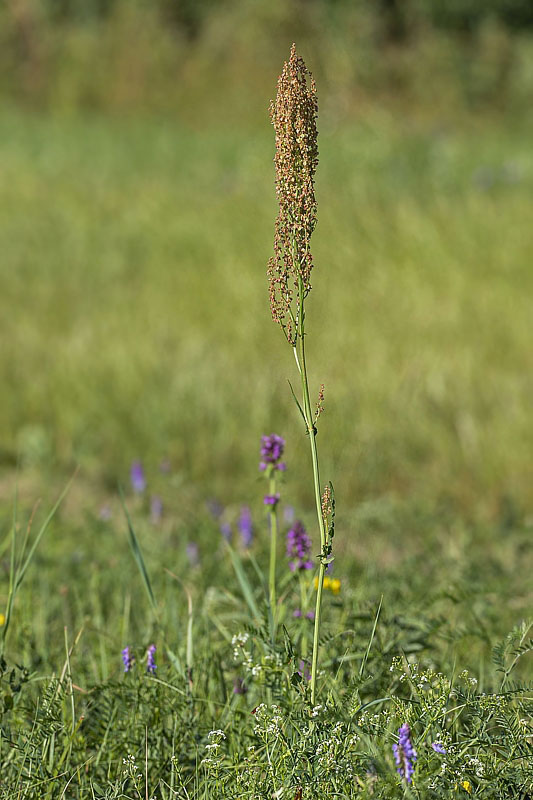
(311, 430)
(273, 548)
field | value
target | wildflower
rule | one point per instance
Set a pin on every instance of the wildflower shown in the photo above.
(151, 666)
(303, 670)
(467, 786)
(310, 615)
(405, 754)
(156, 509)
(127, 659)
(2, 620)
(245, 526)
(214, 508)
(239, 687)
(271, 499)
(293, 115)
(225, 530)
(138, 481)
(335, 585)
(192, 553)
(297, 613)
(438, 748)
(271, 451)
(298, 547)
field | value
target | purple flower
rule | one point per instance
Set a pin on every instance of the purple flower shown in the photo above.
(298, 548)
(214, 508)
(271, 451)
(438, 748)
(127, 659)
(304, 670)
(297, 613)
(245, 526)
(138, 481)
(239, 687)
(156, 509)
(310, 615)
(192, 553)
(405, 754)
(225, 530)
(271, 499)
(151, 666)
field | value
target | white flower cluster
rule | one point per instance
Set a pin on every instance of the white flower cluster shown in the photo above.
(468, 679)
(269, 721)
(130, 767)
(214, 756)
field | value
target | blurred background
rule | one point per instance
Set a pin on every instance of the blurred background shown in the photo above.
(137, 208)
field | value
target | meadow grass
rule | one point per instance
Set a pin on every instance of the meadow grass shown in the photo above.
(134, 308)
(134, 316)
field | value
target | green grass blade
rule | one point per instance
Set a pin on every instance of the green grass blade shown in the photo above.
(138, 556)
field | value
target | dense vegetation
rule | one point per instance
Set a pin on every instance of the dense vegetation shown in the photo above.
(136, 331)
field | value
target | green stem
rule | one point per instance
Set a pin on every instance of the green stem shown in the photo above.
(311, 430)
(273, 546)
(303, 608)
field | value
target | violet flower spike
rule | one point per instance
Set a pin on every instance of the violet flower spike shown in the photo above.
(299, 548)
(272, 448)
(225, 530)
(405, 754)
(245, 526)
(151, 666)
(138, 481)
(271, 499)
(127, 659)
(192, 554)
(156, 509)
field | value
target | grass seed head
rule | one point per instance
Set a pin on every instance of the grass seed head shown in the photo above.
(294, 114)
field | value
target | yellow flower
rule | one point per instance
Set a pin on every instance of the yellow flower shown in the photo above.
(316, 581)
(466, 785)
(335, 585)
(327, 583)
(2, 620)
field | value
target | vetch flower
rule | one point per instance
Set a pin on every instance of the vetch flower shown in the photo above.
(151, 666)
(239, 687)
(127, 659)
(438, 748)
(225, 530)
(272, 448)
(405, 754)
(298, 548)
(214, 508)
(271, 499)
(192, 554)
(245, 526)
(156, 509)
(138, 481)
(304, 670)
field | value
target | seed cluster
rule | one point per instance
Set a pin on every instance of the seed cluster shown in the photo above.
(294, 115)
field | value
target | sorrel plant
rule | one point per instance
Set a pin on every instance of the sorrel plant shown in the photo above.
(294, 115)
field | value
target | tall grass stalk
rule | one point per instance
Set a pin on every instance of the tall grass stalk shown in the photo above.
(294, 115)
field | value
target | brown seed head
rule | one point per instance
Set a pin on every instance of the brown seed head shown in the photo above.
(293, 114)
